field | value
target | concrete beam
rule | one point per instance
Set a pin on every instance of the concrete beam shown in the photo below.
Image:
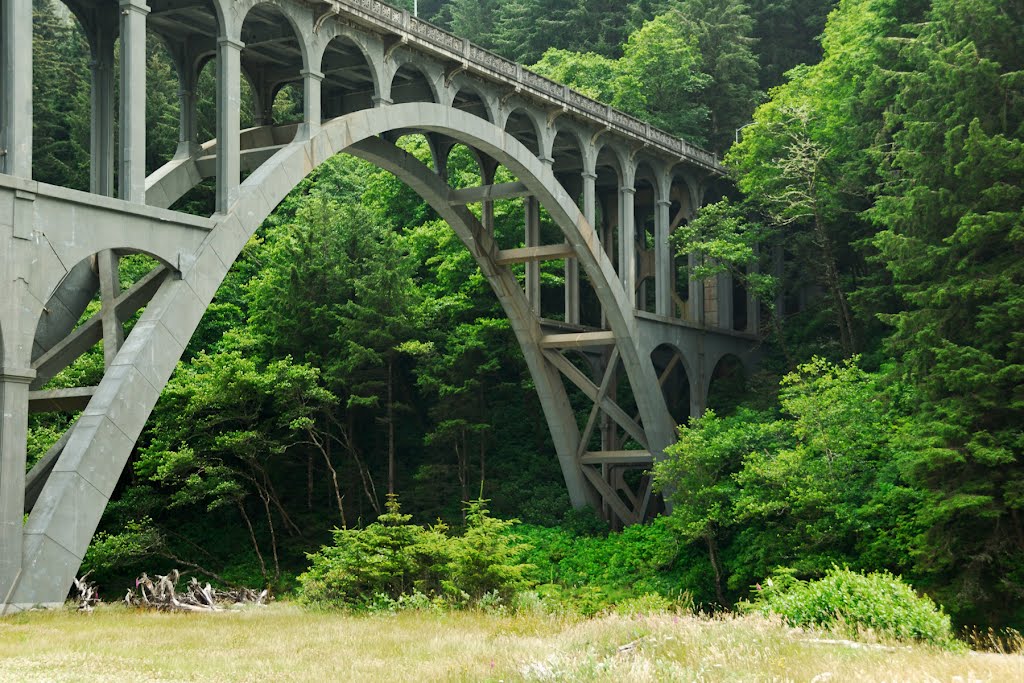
(631, 458)
(60, 400)
(488, 193)
(548, 252)
(577, 340)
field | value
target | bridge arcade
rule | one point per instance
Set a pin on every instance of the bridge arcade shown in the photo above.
(368, 74)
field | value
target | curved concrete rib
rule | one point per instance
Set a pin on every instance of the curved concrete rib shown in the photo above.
(72, 501)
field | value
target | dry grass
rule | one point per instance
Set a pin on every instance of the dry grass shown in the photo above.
(286, 643)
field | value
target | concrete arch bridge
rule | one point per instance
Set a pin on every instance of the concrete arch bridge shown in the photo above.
(368, 73)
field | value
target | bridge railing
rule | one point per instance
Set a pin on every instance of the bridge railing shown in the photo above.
(483, 62)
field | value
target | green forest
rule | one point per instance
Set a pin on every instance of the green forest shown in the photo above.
(355, 351)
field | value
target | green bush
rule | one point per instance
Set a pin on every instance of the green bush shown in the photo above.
(852, 603)
(395, 564)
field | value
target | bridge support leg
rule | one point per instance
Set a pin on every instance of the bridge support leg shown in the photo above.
(188, 116)
(229, 93)
(132, 178)
(627, 242)
(695, 293)
(311, 85)
(662, 260)
(16, 87)
(532, 209)
(101, 133)
(13, 433)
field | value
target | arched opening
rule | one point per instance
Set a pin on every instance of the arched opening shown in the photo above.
(608, 182)
(522, 127)
(61, 111)
(674, 380)
(680, 211)
(417, 145)
(645, 235)
(76, 117)
(411, 83)
(470, 100)
(580, 303)
(83, 326)
(727, 385)
(272, 58)
(349, 84)
(463, 166)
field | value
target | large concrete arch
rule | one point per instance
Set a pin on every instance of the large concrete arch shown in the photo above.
(72, 500)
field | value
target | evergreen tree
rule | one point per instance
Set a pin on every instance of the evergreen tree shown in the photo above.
(952, 237)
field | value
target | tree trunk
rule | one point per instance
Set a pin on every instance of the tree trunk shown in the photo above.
(717, 567)
(309, 483)
(252, 537)
(265, 497)
(391, 427)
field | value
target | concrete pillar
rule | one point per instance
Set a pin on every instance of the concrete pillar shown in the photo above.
(609, 224)
(14, 384)
(698, 390)
(488, 168)
(229, 89)
(110, 289)
(753, 305)
(572, 266)
(532, 210)
(16, 88)
(379, 101)
(101, 131)
(188, 115)
(627, 241)
(725, 307)
(311, 84)
(663, 283)
(263, 106)
(695, 292)
(132, 178)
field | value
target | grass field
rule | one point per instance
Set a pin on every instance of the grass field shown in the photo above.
(286, 643)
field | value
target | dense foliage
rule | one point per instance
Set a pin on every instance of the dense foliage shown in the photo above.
(355, 350)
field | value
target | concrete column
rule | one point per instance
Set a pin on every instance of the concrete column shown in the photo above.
(311, 82)
(488, 168)
(132, 179)
(725, 307)
(263, 106)
(101, 132)
(695, 293)
(16, 88)
(188, 116)
(753, 305)
(13, 434)
(110, 289)
(379, 101)
(662, 260)
(698, 391)
(229, 93)
(627, 242)
(532, 210)
(572, 266)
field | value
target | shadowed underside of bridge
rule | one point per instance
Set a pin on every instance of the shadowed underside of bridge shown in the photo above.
(369, 74)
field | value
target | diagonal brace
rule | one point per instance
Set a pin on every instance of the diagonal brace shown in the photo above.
(609, 406)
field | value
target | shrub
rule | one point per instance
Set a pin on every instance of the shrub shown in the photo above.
(851, 603)
(395, 564)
